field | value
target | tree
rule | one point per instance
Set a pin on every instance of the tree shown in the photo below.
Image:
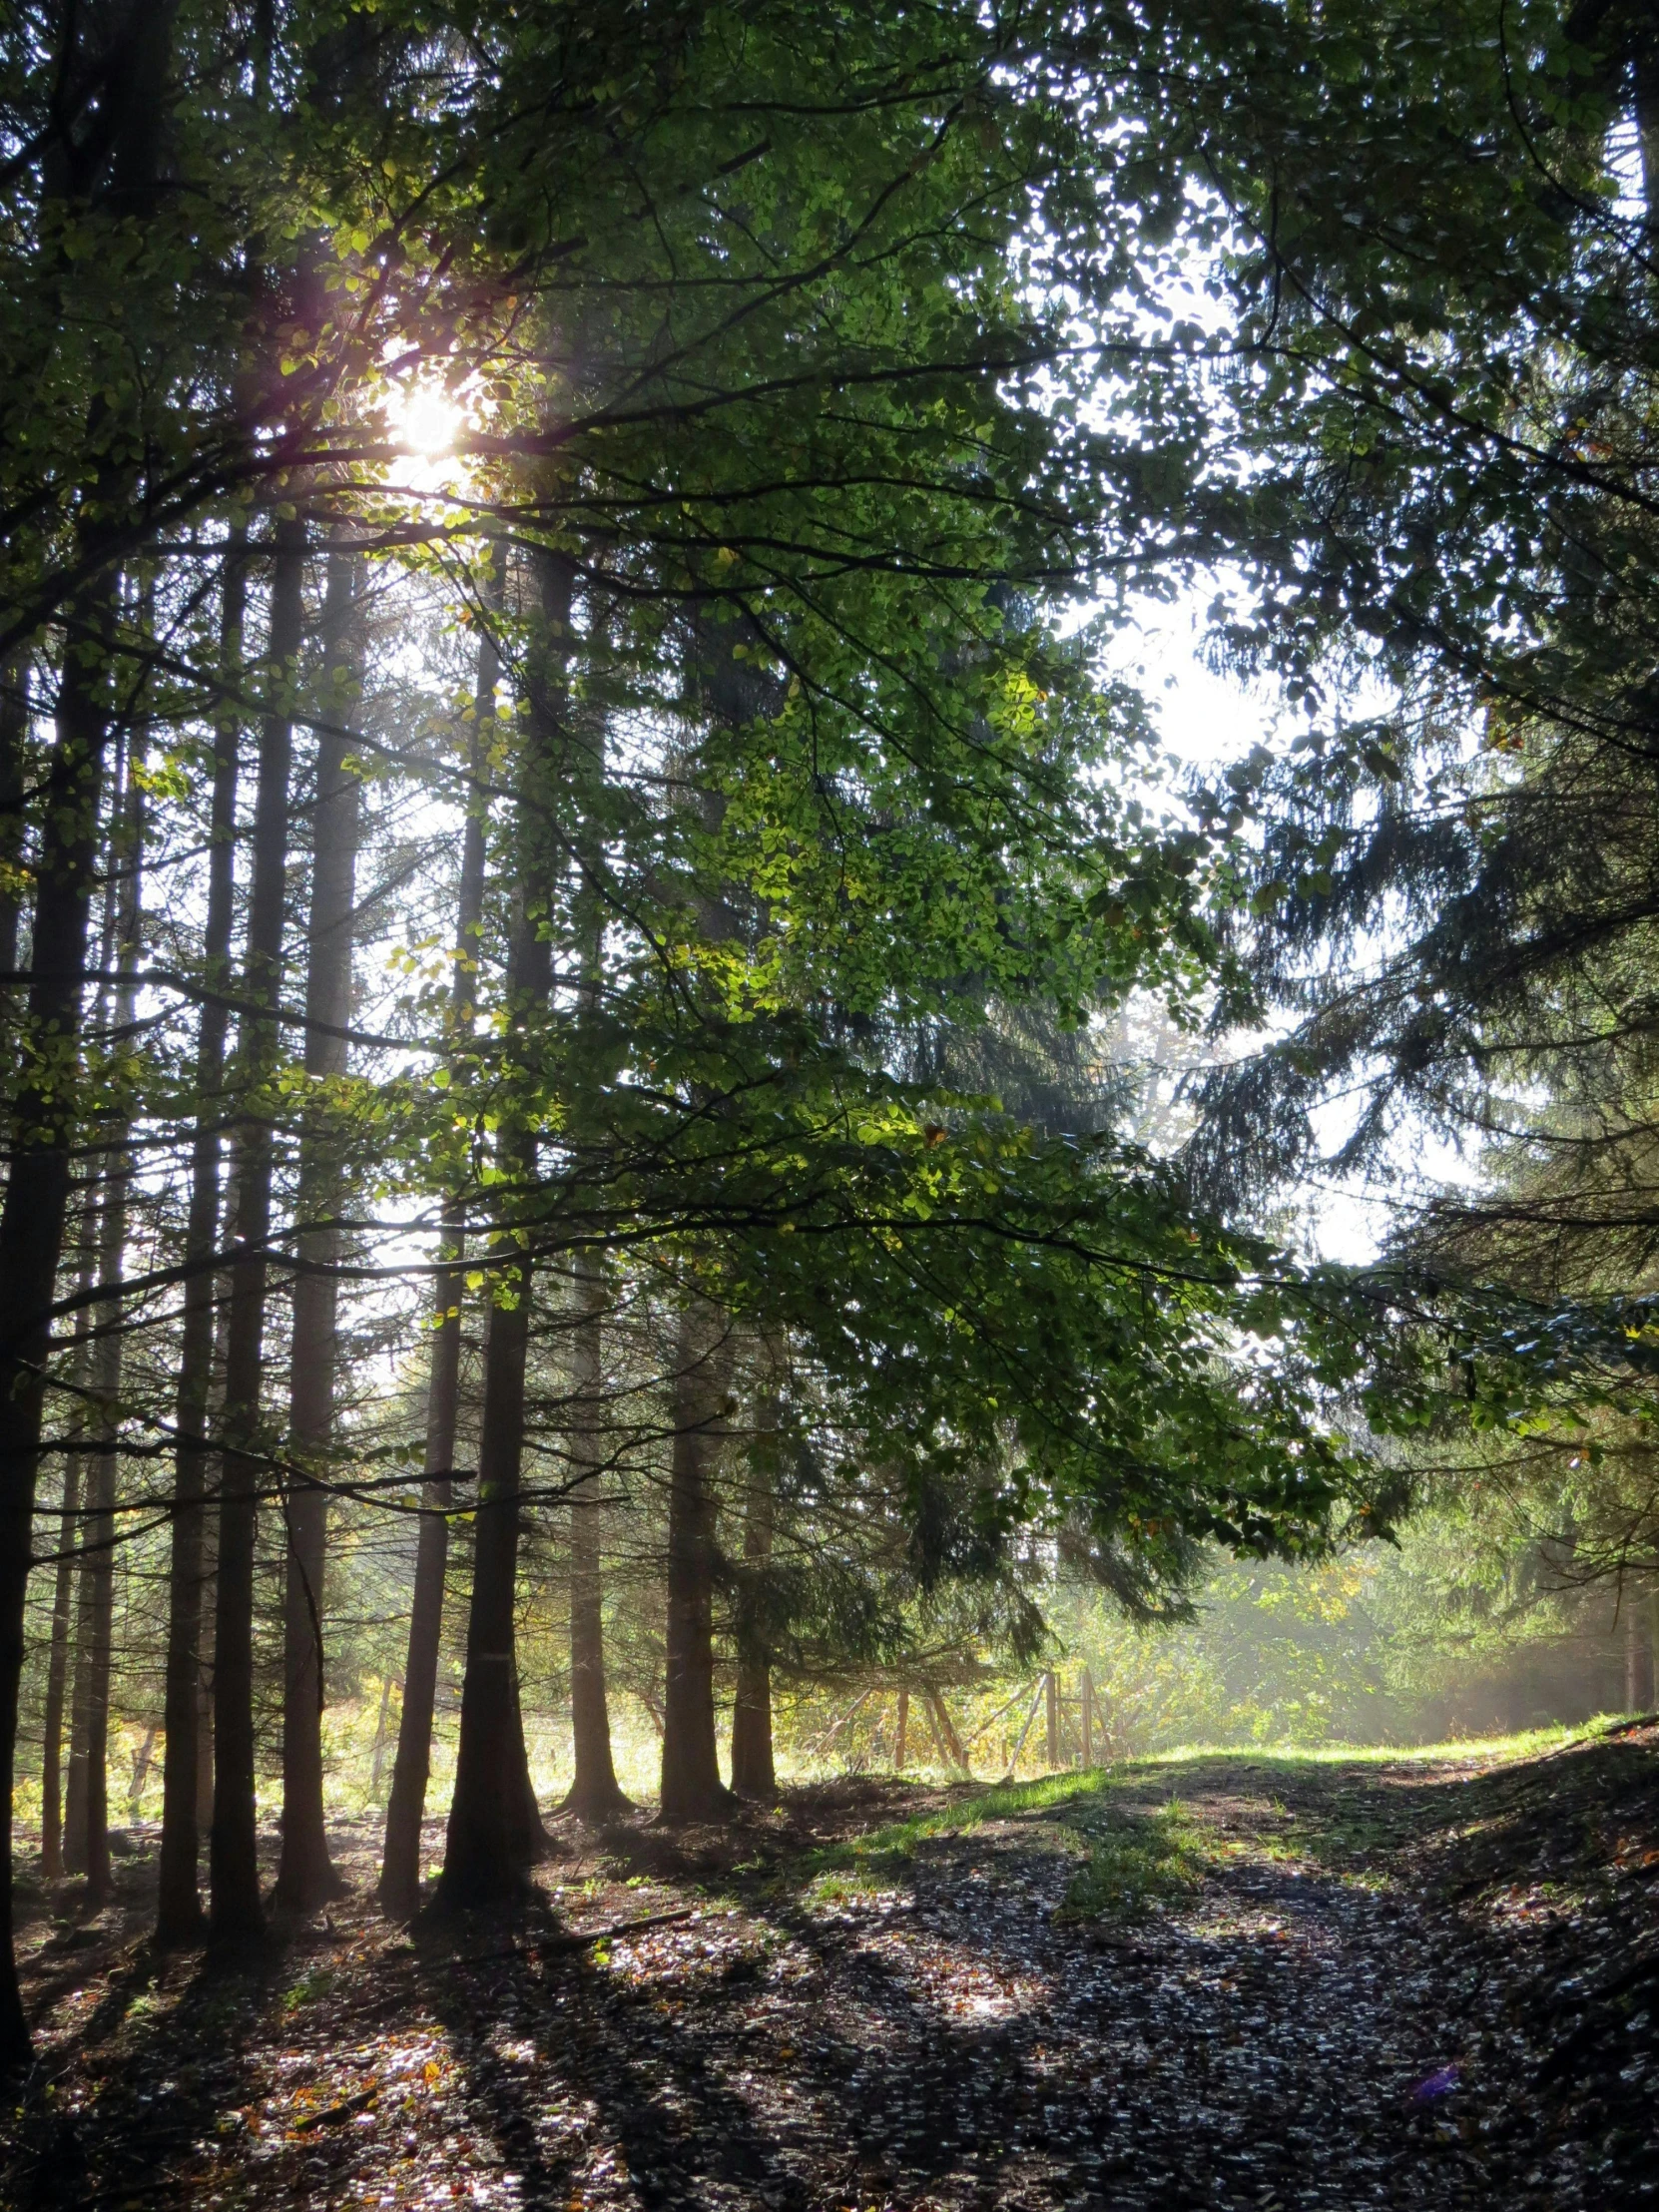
(808, 761)
(307, 1876)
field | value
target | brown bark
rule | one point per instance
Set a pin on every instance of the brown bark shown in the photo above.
(595, 1794)
(90, 1845)
(179, 1916)
(692, 1790)
(754, 1772)
(483, 1860)
(118, 167)
(57, 1674)
(62, 1646)
(14, 731)
(399, 1888)
(235, 1912)
(75, 1823)
(37, 1190)
(204, 1680)
(493, 1824)
(307, 1876)
(79, 1381)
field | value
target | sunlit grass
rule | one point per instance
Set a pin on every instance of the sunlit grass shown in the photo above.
(897, 1841)
(1526, 1743)
(1138, 1855)
(1136, 1861)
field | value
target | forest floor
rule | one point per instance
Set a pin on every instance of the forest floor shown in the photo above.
(1218, 1980)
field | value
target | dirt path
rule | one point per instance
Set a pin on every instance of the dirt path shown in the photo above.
(1298, 1987)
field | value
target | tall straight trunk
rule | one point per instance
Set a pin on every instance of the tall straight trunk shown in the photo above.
(483, 1860)
(754, 1772)
(235, 1914)
(54, 1813)
(37, 1188)
(306, 1876)
(79, 1382)
(399, 1887)
(179, 1918)
(57, 1675)
(490, 1828)
(595, 1793)
(14, 732)
(692, 1788)
(75, 1823)
(132, 47)
(87, 1843)
(204, 1685)
(108, 1344)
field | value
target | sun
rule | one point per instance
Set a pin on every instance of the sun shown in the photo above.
(425, 418)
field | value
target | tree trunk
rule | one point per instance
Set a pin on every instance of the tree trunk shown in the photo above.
(377, 1757)
(57, 1674)
(692, 1788)
(133, 48)
(79, 1378)
(88, 1842)
(492, 1816)
(143, 1759)
(14, 734)
(37, 1190)
(75, 1823)
(595, 1794)
(399, 1889)
(179, 1918)
(307, 1876)
(204, 1684)
(753, 1773)
(126, 853)
(529, 1841)
(54, 1813)
(235, 1914)
(484, 1861)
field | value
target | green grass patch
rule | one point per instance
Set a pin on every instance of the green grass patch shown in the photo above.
(316, 1983)
(889, 1849)
(1526, 1743)
(1136, 1860)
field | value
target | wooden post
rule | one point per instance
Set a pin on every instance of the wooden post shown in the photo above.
(1019, 1740)
(1051, 1689)
(944, 1729)
(377, 1757)
(904, 1730)
(1088, 1719)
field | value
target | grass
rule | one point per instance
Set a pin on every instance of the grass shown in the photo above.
(1525, 1743)
(1136, 1856)
(1135, 1861)
(889, 1848)
(316, 1983)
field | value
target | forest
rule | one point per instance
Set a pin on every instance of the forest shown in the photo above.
(801, 1406)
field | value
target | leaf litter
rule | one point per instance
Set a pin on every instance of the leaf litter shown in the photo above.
(1224, 1981)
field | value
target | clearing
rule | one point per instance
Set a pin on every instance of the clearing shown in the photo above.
(1218, 1981)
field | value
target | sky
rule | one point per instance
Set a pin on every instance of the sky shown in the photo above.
(1208, 718)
